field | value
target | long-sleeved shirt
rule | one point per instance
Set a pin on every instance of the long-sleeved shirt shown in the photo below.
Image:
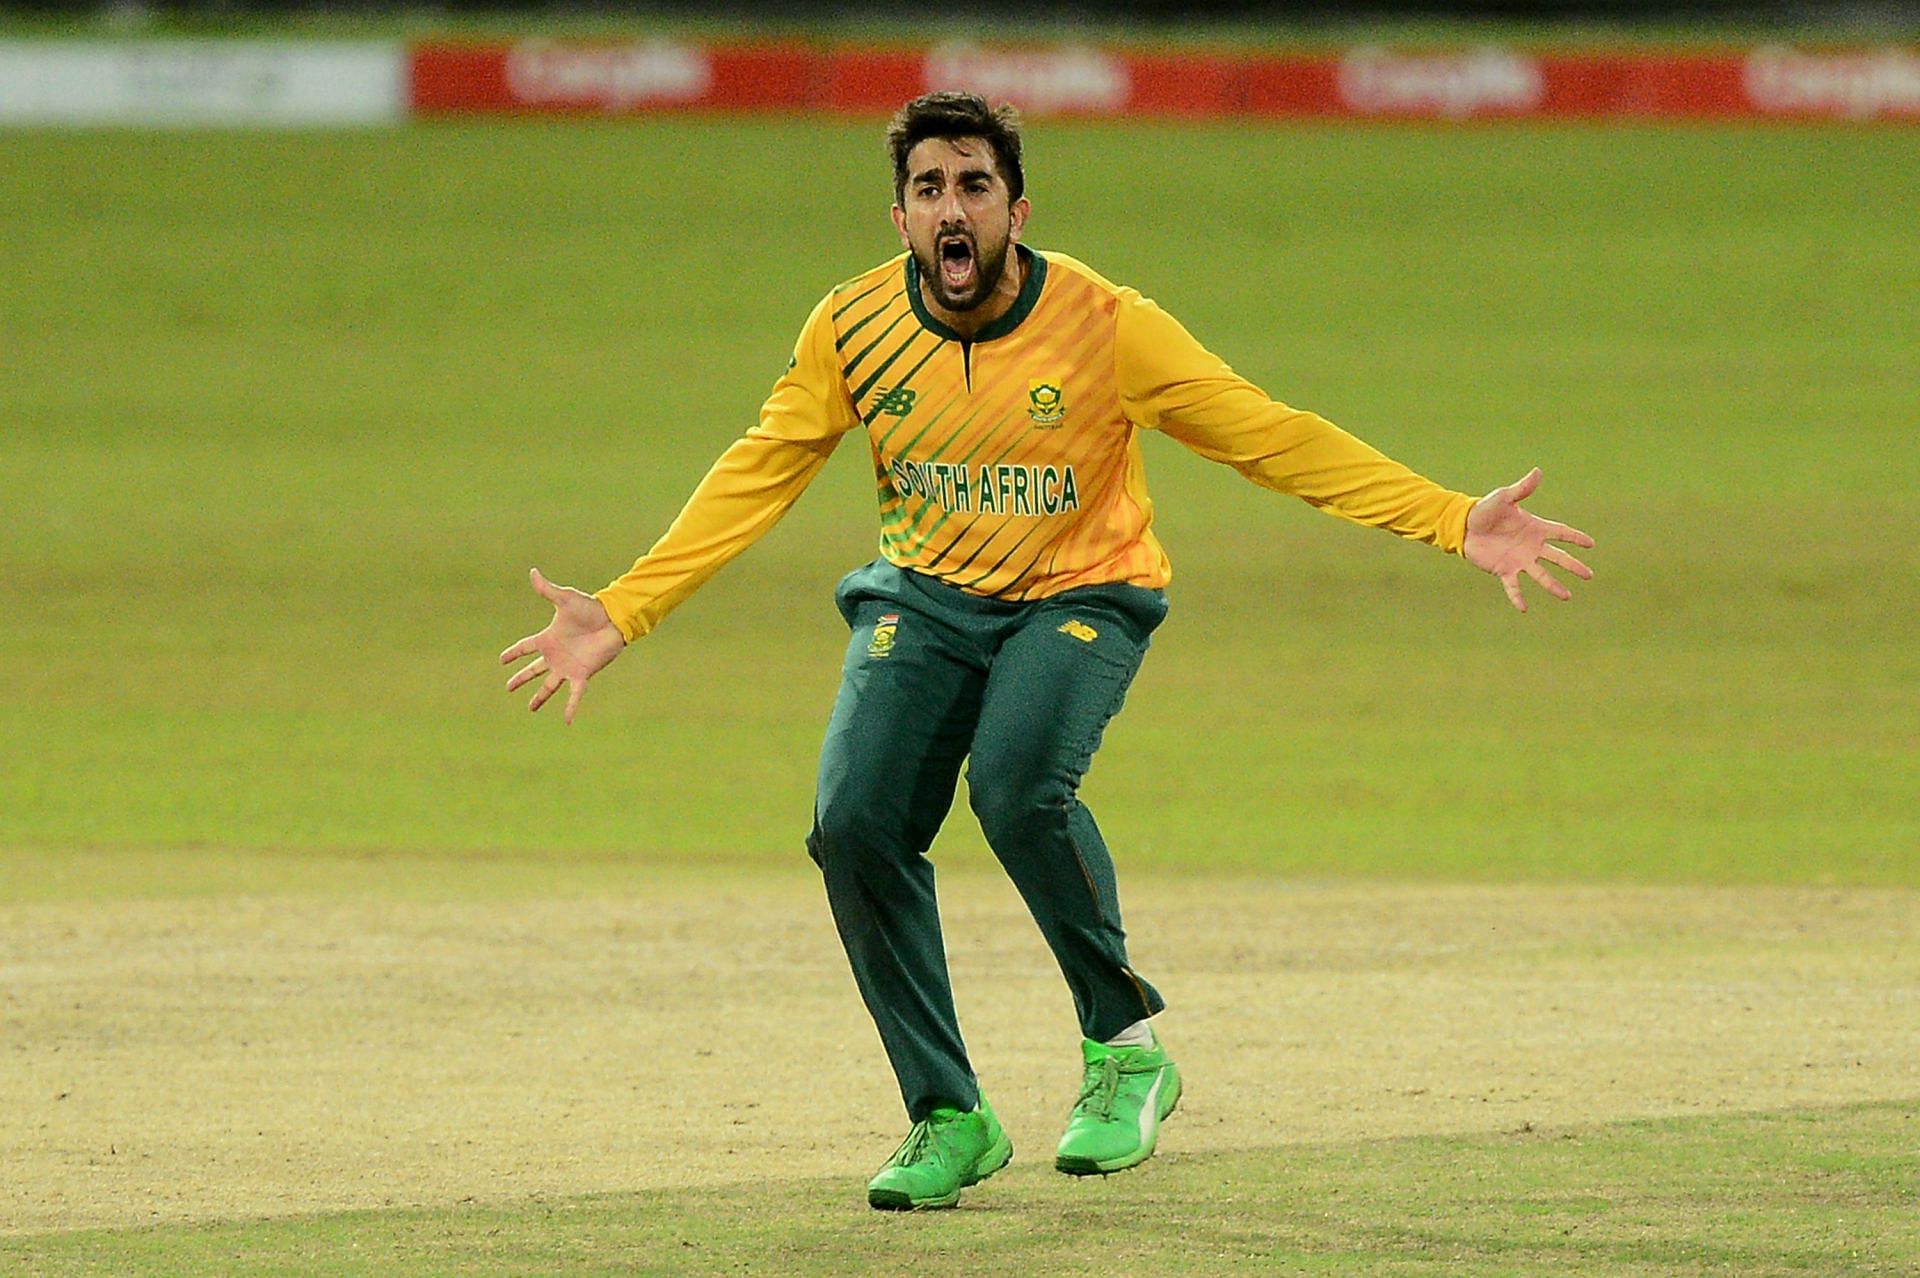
(1009, 464)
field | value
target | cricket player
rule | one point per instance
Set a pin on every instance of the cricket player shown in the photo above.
(1001, 390)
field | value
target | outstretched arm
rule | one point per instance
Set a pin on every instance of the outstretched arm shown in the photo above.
(577, 644)
(747, 491)
(752, 485)
(1173, 384)
(1507, 541)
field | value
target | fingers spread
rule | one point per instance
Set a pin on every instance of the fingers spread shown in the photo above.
(524, 648)
(1523, 488)
(1554, 555)
(541, 585)
(531, 671)
(1512, 583)
(547, 689)
(576, 689)
(1548, 582)
(1560, 532)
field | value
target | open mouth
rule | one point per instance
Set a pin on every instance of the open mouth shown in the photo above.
(956, 263)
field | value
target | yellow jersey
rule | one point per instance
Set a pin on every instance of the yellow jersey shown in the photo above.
(1008, 465)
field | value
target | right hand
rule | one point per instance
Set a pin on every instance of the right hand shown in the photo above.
(578, 644)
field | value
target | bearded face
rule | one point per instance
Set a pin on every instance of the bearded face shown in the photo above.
(957, 220)
(961, 271)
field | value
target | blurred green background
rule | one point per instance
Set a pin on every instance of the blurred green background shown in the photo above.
(286, 418)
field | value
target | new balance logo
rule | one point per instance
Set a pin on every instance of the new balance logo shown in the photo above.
(898, 402)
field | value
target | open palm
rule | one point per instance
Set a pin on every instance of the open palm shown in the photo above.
(1507, 541)
(578, 644)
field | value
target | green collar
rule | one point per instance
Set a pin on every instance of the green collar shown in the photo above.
(1022, 305)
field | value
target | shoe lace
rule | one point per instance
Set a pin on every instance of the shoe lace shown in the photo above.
(927, 1139)
(914, 1147)
(1097, 1090)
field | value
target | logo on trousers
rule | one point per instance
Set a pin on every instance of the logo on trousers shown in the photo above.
(881, 645)
(1080, 630)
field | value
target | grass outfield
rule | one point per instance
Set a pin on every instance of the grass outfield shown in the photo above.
(288, 416)
(283, 871)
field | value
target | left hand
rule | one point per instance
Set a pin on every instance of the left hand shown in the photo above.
(1506, 541)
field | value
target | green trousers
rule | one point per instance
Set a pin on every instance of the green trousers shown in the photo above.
(934, 675)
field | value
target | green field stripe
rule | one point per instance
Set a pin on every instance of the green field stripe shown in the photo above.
(1004, 453)
(985, 404)
(889, 525)
(905, 379)
(840, 342)
(957, 397)
(1038, 524)
(960, 393)
(891, 540)
(913, 550)
(1052, 548)
(855, 300)
(854, 363)
(978, 550)
(928, 533)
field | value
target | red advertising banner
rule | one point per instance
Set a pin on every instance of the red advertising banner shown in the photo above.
(870, 80)
(570, 78)
(1043, 80)
(1361, 83)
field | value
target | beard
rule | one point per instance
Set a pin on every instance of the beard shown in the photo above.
(962, 291)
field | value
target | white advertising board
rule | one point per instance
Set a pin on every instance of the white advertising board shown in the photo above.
(201, 83)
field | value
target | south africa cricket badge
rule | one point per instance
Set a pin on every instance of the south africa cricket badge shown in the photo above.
(881, 645)
(1045, 404)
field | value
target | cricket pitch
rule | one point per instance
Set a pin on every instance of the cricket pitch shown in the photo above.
(244, 1056)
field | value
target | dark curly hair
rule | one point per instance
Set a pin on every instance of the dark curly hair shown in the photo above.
(956, 115)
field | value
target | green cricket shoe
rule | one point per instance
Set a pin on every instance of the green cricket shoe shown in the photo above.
(1116, 1121)
(944, 1153)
